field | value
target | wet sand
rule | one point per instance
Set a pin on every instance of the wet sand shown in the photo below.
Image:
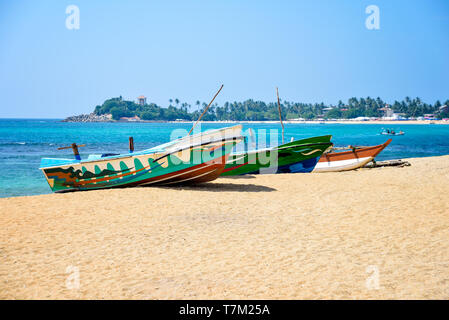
(378, 233)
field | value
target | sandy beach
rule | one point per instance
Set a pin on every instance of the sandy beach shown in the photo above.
(378, 233)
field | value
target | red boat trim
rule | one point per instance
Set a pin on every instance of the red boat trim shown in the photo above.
(236, 167)
(181, 174)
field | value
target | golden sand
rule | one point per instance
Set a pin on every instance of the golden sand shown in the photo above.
(372, 233)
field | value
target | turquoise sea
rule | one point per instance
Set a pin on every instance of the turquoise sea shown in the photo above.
(24, 141)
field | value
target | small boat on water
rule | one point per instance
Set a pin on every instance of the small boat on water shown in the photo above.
(356, 158)
(192, 159)
(293, 157)
(389, 132)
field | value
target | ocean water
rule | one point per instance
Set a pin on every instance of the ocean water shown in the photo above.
(23, 142)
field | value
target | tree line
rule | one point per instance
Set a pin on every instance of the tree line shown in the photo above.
(251, 110)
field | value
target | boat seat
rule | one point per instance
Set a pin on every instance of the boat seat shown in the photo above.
(99, 156)
(93, 156)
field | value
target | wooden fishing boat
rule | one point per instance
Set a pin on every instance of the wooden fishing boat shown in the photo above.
(192, 159)
(355, 158)
(292, 157)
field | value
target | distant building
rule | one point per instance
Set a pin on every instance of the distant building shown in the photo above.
(444, 108)
(142, 100)
(388, 112)
(135, 118)
(399, 116)
(396, 116)
(429, 116)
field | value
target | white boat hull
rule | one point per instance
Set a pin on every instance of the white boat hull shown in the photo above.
(342, 165)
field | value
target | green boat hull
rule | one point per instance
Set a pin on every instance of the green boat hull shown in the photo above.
(191, 159)
(292, 157)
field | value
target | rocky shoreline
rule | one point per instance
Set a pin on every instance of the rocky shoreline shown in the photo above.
(91, 117)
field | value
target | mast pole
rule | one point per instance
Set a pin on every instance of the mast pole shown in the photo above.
(280, 114)
(205, 110)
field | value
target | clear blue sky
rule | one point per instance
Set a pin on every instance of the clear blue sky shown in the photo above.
(313, 50)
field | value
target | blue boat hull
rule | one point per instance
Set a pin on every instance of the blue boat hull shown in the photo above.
(304, 166)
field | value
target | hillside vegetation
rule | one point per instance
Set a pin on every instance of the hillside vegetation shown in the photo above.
(251, 110)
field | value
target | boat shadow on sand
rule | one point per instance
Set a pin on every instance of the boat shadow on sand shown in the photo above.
(246, 176)
(216, 186)
(206, 186)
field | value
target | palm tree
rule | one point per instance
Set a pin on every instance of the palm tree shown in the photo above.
(407, 99)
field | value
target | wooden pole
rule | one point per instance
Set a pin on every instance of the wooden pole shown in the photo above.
(131, 144)
(280, 115)
(205, 110)
(74, 147)
(75, 151)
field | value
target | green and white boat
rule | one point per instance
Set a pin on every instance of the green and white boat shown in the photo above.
(293, 157)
